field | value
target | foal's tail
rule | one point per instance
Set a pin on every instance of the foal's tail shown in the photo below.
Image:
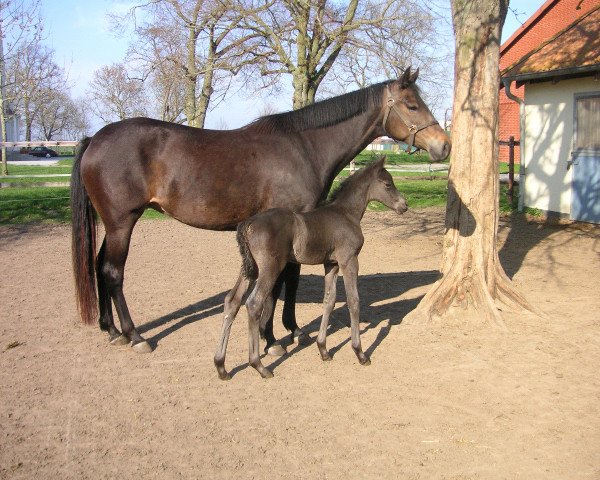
(249, 267)
(83, 236)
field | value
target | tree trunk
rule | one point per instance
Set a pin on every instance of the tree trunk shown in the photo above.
(4, 169)
(472, 277)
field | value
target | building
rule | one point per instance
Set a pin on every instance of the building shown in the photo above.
(554, 95)
(552, 17)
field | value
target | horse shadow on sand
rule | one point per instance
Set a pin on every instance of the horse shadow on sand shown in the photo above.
(379, 303)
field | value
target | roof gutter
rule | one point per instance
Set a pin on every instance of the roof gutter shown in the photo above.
(507, 83)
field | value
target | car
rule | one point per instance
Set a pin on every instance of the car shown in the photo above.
(43, 152)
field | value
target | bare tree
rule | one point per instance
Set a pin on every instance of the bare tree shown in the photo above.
(472, 277)
(351, 42)
(19, 25)
(115, 95)
(195, 44)
(33, 72)
(56, 114)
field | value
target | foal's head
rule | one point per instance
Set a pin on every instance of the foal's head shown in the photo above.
(383, 190)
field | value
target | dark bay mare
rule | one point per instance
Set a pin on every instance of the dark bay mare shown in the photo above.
(329, 235)
(215, 179)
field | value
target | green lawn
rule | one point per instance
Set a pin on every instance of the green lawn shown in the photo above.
(51, 204)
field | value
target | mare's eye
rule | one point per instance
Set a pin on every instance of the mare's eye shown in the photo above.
(413, 107)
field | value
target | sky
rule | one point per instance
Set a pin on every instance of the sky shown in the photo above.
(80, 34)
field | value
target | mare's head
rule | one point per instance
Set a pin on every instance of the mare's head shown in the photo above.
(407, 118)
(383, 190)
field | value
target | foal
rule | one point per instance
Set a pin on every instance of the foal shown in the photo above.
(329, 235)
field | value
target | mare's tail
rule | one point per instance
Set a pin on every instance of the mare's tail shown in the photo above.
(249, 267)
(83, 250)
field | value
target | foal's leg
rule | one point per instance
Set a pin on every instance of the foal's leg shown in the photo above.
(255, 305)
(273, 347)
(291, 276)
(232, 304)
(115, 256)
(106, 320)
(331, 273)
(350, 273)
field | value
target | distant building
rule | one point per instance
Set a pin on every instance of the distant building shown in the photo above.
(552, 17)
(13, 125)
(552, 67)
(383, 144)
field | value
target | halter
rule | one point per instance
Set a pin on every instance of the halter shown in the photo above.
(412, 128)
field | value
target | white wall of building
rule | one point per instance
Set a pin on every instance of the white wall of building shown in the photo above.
(549, 111)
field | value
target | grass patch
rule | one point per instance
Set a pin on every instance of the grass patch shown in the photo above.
(42, 205)
(63, 166)
(31, 205)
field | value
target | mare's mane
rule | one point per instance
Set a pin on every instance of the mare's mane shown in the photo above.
(322, 114)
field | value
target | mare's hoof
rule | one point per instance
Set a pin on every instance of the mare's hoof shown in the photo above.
(365, 361)
(276, 350)
(142, 347)
(225, 376)
(300, 337)
(119, 340)
(266, 373)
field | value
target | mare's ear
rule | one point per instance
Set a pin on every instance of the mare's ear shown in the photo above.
(409, 77)
(405, 79)
(414, 76)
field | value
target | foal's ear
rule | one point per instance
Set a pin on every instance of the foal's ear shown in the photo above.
(380, 162)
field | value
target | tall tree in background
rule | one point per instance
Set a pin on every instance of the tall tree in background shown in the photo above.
(307, 39)
(474, 285)
(19, 25)
(195, 44)
(115, 95)
(33, 72)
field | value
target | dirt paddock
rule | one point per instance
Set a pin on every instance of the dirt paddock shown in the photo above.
(453, 403)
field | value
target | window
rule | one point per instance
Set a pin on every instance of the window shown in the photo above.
(587, 122)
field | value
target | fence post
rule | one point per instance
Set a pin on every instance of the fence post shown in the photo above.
(511, 168)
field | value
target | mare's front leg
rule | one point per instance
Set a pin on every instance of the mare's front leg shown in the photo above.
(232, 304)
(331, 273)
(350, 273)
(291, 275)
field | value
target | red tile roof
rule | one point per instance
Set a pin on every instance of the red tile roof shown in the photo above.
(576, 49)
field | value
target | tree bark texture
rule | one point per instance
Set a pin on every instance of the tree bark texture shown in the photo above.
(472, 277)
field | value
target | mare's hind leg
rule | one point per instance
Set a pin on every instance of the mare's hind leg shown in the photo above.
(331, 273)
(350, 273)
(232, 304)
(106, 320)
(117, 240)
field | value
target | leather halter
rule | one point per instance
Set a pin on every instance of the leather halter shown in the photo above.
(412, 128)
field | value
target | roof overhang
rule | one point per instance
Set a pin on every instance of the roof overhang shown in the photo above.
(555, 75)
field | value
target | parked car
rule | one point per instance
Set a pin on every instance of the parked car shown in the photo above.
(43, 152)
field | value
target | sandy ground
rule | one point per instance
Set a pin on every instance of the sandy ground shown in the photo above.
(435, 403)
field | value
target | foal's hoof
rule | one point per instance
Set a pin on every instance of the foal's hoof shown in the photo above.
(224, 376)
(300, 337)
(142, 347)
(325, 357)
(365, 361)
(276, 350)
(119, 340)
(266, 373)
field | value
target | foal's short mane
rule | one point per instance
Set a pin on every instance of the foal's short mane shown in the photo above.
(347, 182)
(322, 114)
